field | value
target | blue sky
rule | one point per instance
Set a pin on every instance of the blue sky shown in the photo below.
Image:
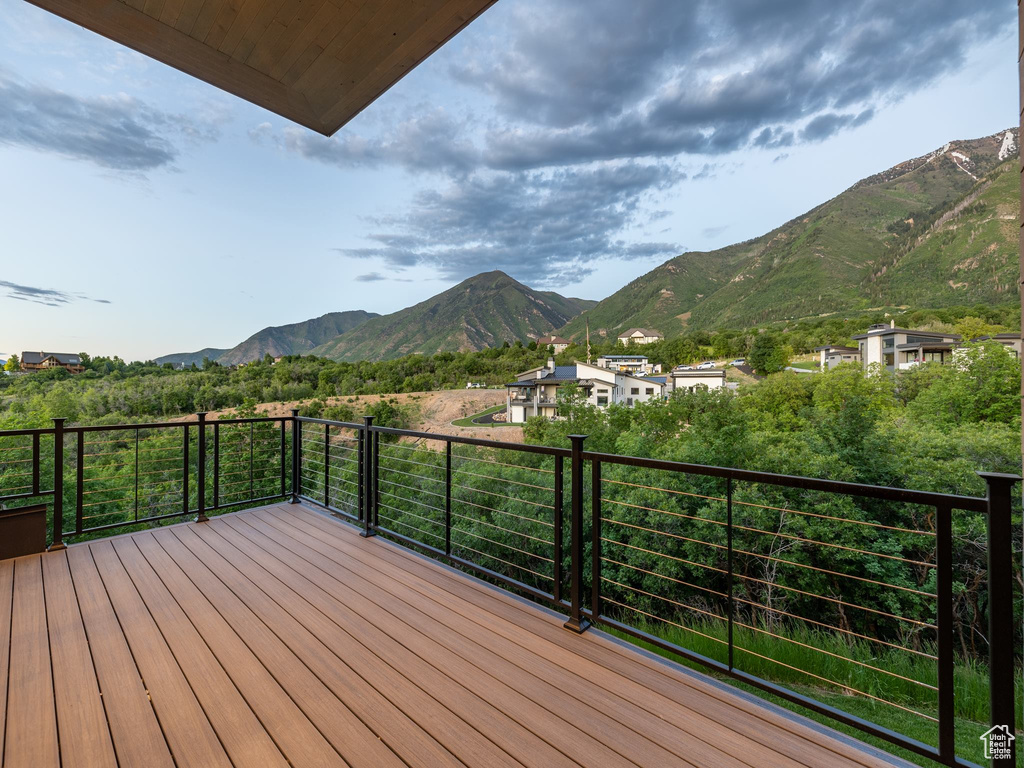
(145, 213)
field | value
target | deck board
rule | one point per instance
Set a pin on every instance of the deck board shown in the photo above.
(279, 636)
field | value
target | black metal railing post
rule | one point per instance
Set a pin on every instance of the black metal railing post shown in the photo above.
(577, 622)
(296, 450)
(1000, 611)
(369, 486)
(57, 541)
(201, 470)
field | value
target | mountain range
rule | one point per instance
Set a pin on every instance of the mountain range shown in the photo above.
(938, 230)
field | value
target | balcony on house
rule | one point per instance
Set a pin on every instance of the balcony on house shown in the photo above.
(287, 590)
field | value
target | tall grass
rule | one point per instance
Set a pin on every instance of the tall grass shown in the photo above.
(784, 659)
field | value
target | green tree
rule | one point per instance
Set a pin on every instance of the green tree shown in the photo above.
(768, 354)
(13, 364)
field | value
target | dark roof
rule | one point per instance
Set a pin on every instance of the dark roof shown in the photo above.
(64, 358)
(837, 348)
(552, 340)
(622, 357)
(887, 330)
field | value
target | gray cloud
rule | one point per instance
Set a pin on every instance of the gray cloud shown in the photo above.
(117, 132)
(655, 78)
(376, 277)
(544, 227)
(49, 297)
(643, 85)
(714, 231)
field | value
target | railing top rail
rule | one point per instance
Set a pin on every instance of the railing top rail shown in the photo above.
(521, 447)
(929, 498)
(328, 422)
(23, 432)
(252, 420)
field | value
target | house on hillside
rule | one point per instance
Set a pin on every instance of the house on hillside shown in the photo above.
(832, 355)
(41, 361)
(640, 336)
(902, 348)
(690, 379)
(535, 392)
(556, 342)
(638, 365)
(1011, 341)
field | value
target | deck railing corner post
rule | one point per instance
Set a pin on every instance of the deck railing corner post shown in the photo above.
(57, 541)
(369, 484)
(577, 622)
(1000, 606)
(201, 470)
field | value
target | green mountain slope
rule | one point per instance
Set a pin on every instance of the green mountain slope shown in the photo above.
(480, 312)
(295, 338)
(934, 231)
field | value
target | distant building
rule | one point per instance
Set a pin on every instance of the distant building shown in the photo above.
(535, 392)
(833, 355)
(475, 385)
(640, 336)
(901, 348)
(41, 361)
(557, 342)
(634, 364)
(690, 379)
(1011, 341)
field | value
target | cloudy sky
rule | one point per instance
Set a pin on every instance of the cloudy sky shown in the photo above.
(574, 144)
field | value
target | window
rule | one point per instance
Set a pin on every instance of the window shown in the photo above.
(629, 401)
(634, 391)
(602, 400)
(649, 391)
(888, 342)
(602, 391)
(888, 359)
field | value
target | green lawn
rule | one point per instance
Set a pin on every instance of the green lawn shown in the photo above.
(805, 365)
(469, 420)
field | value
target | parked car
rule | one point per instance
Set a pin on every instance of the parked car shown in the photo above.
(685, 368)
(738, 361)
(706, 365)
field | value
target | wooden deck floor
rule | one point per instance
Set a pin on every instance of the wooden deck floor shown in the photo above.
(279, 636)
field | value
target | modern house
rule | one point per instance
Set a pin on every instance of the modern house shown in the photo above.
(640, 336)
(637, 365)
(556, 342)
(535, 392)
(689, 379)
(900, 348)
(1011, 341)
(832, 355)
(42, 361)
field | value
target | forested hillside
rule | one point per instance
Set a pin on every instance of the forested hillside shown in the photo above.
(938, 230)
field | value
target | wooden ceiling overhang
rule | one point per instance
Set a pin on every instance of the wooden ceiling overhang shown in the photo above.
(316, 62)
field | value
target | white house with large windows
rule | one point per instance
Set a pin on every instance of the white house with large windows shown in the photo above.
(690, 379)
(640, 336)
(900, 348)
(637, 365)
(535, 392)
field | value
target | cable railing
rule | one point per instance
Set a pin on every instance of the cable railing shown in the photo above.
(815, 591)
